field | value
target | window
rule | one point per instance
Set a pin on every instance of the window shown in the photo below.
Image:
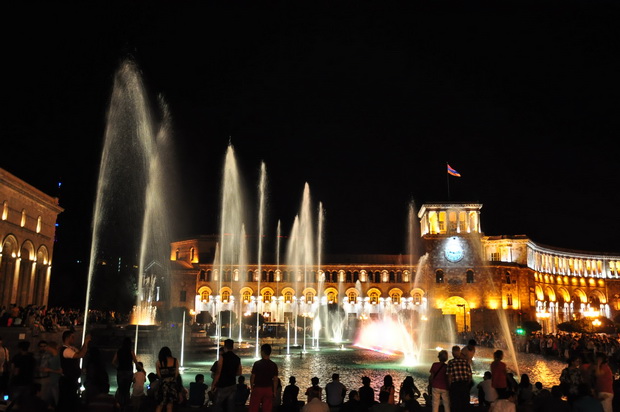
(266, 296)
(39, 224)
(204, 297)
(309, 297)
(183, 296)
(23, 222)
(439, 276)
(352, 297)
(192, 252)
(417, 299)
(202, 276)
(5, 210)
(395, 298)
(374, 298)
(225, 296)
(470, 276)
(508, 281)
(246, 297)
(288, 297)
(509, 299)
(177, 253)
(332, 298)
(495, 257)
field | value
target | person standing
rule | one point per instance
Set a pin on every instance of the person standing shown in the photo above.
(55, 371)
(167, 368)
(137, 387)
(438, 382)
(499, 379)
(603, 381)
(124, 360)
(459, 380)
(263, 381)
(242, 394)
(69, 382)
(42, 359)
(469, 351)
(335, 392)
(5, 368)
(225, 380)
(22, 371)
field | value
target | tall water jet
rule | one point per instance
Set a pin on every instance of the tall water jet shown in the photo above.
(301, 257)
(129, 206)
(231, 234)
(262, 190)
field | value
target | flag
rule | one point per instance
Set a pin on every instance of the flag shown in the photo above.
(453, 172)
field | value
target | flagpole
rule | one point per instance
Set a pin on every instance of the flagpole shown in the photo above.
(448, 180)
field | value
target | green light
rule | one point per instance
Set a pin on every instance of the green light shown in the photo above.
(520, 331)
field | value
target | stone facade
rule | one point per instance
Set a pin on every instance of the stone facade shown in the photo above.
(27, 230)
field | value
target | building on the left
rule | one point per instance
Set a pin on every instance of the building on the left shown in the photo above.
(27, 231)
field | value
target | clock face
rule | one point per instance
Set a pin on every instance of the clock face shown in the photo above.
(454, 252)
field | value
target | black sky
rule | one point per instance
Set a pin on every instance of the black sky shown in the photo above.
(364, 101)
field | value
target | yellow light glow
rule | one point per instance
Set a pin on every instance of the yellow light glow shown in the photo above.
(493, 304)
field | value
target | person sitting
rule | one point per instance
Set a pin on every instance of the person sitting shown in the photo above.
(384, 404)
(197, 391)
(290, 401)
(242, 393)
(353, 404)
(315, 404)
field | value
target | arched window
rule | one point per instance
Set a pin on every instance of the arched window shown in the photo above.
(332, 298)
(246, 297)
(192, 252)
(352, 297)
(470, 276)
(392, 277)
(395, 297)
(349, 277)
(208, 278)
(374, 298)
(309, 297)
(204, 296)
(439, 276)
(225, 296)
(508, 281)
(39, 224)
(356, 276)
(23, 222)
(177, 254)
(266, 296)
(417, 299)
(250, 276)
(202, 275)
(288, 297)
(271, 276)
(509, 299)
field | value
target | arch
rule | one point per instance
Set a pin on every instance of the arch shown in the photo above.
(461, 313)
(563, 295)
(27, 248)
(597, 295)
(332, 295)
(550, 293)
(288, 295)
(580, 296)
(395, 294)
(352, 295)
(205, 293)
(246, 294)
(309, 294)
(373, 295)
(539, 293)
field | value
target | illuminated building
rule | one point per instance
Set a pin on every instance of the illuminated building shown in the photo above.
(461, 273)
(27, 231)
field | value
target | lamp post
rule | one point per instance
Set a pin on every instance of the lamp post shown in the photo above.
(462, 305)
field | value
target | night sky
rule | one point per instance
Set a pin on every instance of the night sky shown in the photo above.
(364, 101)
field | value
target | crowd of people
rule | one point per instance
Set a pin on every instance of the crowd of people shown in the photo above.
(58, 376)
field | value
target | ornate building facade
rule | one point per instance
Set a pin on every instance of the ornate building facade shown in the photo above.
(27, 231)
(459, 273)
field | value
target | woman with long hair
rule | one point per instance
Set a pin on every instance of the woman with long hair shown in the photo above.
(167, 368)
(124, 360)
(388, 387)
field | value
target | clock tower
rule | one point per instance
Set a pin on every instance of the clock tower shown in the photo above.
(451, 236)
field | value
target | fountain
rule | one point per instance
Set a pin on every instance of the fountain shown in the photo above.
(131, 210)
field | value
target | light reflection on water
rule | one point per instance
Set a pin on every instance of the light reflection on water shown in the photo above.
(352, 364)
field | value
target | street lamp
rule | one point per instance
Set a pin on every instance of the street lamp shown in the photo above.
(462, 305)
